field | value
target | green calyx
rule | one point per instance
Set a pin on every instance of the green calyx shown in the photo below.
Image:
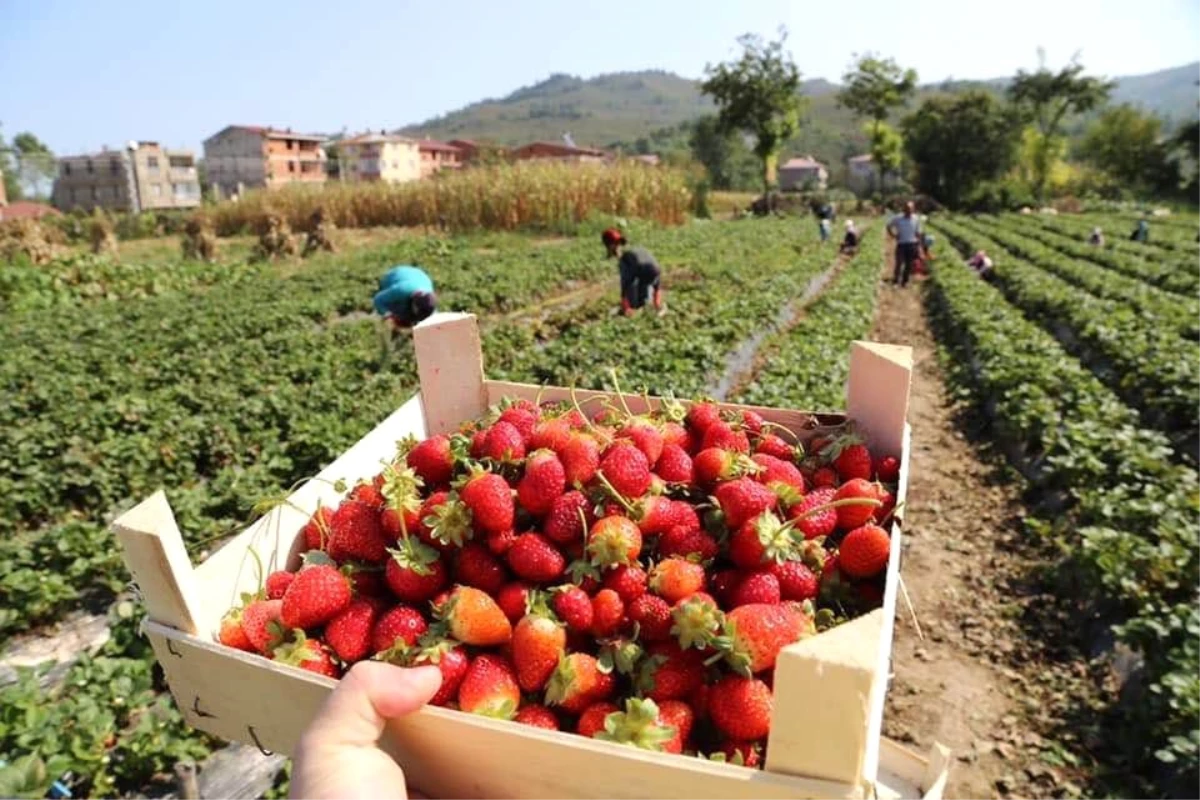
(638, 725)
(623, 655)
(696, 623)
(296, 649)
(414, 555)
(450, 522)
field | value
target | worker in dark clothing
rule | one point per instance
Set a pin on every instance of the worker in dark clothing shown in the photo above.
(641, 277)
(1141, 233)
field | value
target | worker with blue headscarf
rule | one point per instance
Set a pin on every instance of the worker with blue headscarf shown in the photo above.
(405, 296)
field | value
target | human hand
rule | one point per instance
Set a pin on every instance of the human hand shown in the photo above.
(338, 755)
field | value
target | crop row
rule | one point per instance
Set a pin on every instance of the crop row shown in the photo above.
(1151, 368)
(1129, 520)
(1166, 242)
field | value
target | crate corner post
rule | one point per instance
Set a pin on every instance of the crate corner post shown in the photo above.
(450, 367)
(154, 553)
(877, 392)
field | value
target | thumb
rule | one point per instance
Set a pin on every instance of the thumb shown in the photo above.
(370, 694)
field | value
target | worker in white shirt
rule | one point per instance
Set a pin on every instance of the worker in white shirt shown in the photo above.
(906, 230)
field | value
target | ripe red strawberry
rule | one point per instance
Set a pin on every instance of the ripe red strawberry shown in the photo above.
(550, 433)
(670, 673)
(401, 624)
(453, 661)
(544, 481)
(564, 523)
(538, 642)
(537, 716)
(473, 617)
(675, 434)
(613, 541)
(889, 505)
(768, 444)
(676, 578)
(504, 443)
(857, 515)
(577, 682)
(316, 531)
(796, 580)
(367, 493)
(652, 615)
(822, 523)
(307, 654)
(854, 461)
(744, 499)
(490, 688)
(778, 471)
(608, 613)
(626, 469)
(443, 521)
(824, 477)
(687, 542)
(232, 634)
(475, 566)
(701, 416)
(316, 595)
(864, 551)
(696, 621)
(757, 633)
(756, 587)
(675, 465)
(628, 581)
(714, 465)
(498, 544)
(741, 707)
(645, 435)
(257, 621)
(490, 500)
(591, 721)
(723, 583)
(349, 633)
(534, 558)
(678, 717)
(752, 422)
(367, 583)
(759, 540)
(477, 440)
(580, 458)
(522, 417)
(513, 599)
(432, 460)
(574, 607)
(415, 572)
(887, 469)
(722, 436)
(746, 754)
(356, 533)
(277, 583)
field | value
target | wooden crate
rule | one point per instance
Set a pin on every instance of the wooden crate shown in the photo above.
(825, 736)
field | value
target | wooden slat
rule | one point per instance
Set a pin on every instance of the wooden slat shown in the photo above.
(450, 364)
(877, 393)
(154, 553)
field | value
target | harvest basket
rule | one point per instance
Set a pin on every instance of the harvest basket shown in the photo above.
(825, 738)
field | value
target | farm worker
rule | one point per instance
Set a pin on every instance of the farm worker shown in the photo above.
(405, 296)
(823, 227)
(1141, 233)
(1097, 238)
(338, 754)
(906, 230)
(850, 240)
(641, 277)
(981, 264)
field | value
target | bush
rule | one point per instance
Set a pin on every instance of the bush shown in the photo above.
(1006, 194)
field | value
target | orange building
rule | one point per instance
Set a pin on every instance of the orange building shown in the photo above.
(244, 157)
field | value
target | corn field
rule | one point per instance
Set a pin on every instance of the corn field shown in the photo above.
(529, 196)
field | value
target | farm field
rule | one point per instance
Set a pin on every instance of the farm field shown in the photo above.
(1067, 388)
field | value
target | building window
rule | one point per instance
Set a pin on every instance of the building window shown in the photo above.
(156, 190)
(290, 144)
(66, 169)
(152, 162)
(89, 166)
(291, 165)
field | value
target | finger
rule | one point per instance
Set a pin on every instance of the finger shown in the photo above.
(371, 693)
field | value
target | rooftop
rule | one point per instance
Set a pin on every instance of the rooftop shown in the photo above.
(802, 162)
(433, 145)
(24, 209)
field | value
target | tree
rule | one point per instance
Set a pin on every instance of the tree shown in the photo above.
(959, 142)
(1046, 98)
(875, 87)
(36, 164)
(1129, 146)
(730, 165)
(758, 94)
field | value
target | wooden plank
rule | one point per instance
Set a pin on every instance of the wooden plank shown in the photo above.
(77, 634)
(877, 393)
(450, 365)
(238, 772)
(246, 698)
(154, 553)
(938, 772)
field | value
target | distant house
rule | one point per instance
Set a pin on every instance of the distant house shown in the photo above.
(24, 209)
(380, 157)
(803, 174)
(241, 157)
(437, 156)
(468, 149)
(649, 159)
(862, 176)
(559, 151)
(141, 177)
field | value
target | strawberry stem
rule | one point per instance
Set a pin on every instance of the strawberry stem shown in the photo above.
(616, 495)
(848, 501)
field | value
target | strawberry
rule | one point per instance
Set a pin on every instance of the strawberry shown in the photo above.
(522, 417)
(316, 531)
(262, 623)
(628, 581)
(687, 543)
(752, 422)
(741, 707)
(537, 716)
(626, 470)
(888, 501)
(367, 582)
(550, 433)
(513, 599)
(654, 514)
(714, 465)
(670, 673)
(453, 661)
(534, 558)
(853, 461)
(591, 721)
(498, 544)
(305, 653)
(475, 566)
(490, 500)
(543, 482)
(444, 522)
(477, 440)
(696, 621)
(368, 494)
(646, 436)
(796, 580)
(724, 581)
(608, 613)
(349, 633)
(824, 477)
(432, 460)
(232, 634)
(676, 435)
(473, 618)
(490, 688)
(701, 416)
(768, 444)
(538, 642)
(678, 717)
(721, 435)
(756, 587)
(574, 607)
(401, 624)
(277, 583)
(887, 469)
(565, 522)
(401, 515)
(864, 551)
(415, 572)
(614, 540)
(503, 443)
(675, 578)
(761, 539)
(775, 470)
(743, 499)
(580, 458)
(577, 682)
(638, 725)
(675, 465)
(755, 633)
(316, 595)
(652, 615)
(356, 533)
(855, 515)
(824, 522)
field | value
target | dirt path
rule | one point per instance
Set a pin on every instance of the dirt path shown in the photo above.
(954, 685)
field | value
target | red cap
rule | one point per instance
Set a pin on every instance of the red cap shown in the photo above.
(612, 236)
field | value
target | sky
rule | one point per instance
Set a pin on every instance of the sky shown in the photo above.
(88, 73)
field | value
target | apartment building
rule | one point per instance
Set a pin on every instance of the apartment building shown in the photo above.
(142, 177)
(379, 157)
(437, 156)
(242, 157)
